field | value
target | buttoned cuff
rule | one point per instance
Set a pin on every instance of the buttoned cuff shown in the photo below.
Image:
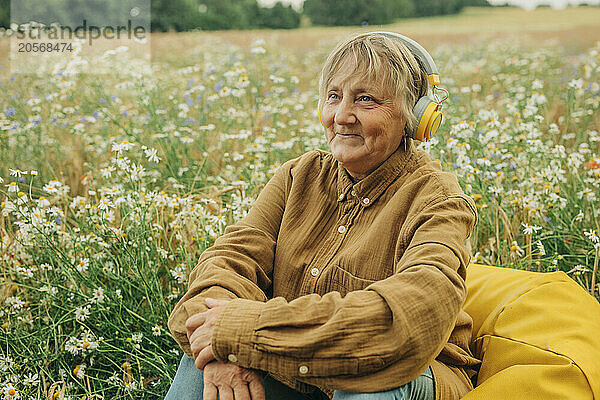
(238, 338)
(233, 335)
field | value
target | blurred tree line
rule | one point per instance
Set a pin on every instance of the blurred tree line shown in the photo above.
(379, 12)
(73, 13)
(165, 15)
(184, 15)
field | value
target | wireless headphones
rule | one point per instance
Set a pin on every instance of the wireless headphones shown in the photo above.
(426, 110)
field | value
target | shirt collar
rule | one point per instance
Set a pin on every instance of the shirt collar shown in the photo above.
(368, 189)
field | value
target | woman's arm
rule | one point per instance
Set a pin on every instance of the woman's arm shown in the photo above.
(240, 263)
(370, 340)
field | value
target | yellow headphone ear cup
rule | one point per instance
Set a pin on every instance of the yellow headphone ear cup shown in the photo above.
(434, 123)
(429, 119)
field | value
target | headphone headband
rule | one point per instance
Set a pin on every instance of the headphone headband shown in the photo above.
(433, 76)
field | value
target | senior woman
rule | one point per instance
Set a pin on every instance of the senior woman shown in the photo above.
(346, 278)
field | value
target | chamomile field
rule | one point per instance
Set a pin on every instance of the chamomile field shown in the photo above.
(113, 184)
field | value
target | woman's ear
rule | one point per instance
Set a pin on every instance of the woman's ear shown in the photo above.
(403, 128)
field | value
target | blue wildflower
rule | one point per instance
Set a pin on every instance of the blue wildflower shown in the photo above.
(10, 111)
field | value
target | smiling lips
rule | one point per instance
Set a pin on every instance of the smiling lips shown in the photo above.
(347, 134)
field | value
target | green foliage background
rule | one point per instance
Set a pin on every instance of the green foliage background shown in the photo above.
(185, 15)
(166, 15)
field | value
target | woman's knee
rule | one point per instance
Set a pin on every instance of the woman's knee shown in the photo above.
(188, 382)
(394, 394)
(422, 388)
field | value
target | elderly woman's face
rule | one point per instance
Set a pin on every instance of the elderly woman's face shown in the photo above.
(363, 125)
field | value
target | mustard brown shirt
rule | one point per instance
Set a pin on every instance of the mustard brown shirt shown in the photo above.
(342, 285)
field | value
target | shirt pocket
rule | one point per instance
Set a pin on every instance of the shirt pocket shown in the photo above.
(342, 281)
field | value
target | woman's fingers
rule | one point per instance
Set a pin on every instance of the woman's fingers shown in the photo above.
(210, 392)
(232, 382)
(198, 345)
(195, 321)
(202, 334)
(256, 388)
(241, 392)
(226, 393)
(212, 303)
(205, 356)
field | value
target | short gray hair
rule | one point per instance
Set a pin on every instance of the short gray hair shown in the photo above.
(382, 59)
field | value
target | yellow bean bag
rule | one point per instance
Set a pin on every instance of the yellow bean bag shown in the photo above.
(537, 334)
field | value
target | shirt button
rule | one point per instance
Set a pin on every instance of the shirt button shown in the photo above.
(232, 358)
(314, 271)
(303, 369)
(341, 197)
(366, 201)
(341, 229)
(353, 193)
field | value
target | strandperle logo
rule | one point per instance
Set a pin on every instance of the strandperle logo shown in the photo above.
(83, 32)
(80, 36)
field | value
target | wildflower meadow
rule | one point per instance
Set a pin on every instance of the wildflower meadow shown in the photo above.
(113, 184)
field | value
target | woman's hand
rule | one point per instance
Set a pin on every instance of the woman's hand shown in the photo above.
(200, 329)
(231, 382)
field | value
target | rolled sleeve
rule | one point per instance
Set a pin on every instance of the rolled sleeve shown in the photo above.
(240, 263)
(256, 336)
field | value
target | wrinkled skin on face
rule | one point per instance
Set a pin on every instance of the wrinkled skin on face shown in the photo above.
(363, 124)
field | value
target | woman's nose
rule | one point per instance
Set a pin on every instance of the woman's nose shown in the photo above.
(344, 114)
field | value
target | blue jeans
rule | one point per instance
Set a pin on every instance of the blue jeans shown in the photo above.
(188, 384)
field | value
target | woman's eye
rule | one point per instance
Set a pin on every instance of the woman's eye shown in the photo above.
(365, 98)
(332, 96)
